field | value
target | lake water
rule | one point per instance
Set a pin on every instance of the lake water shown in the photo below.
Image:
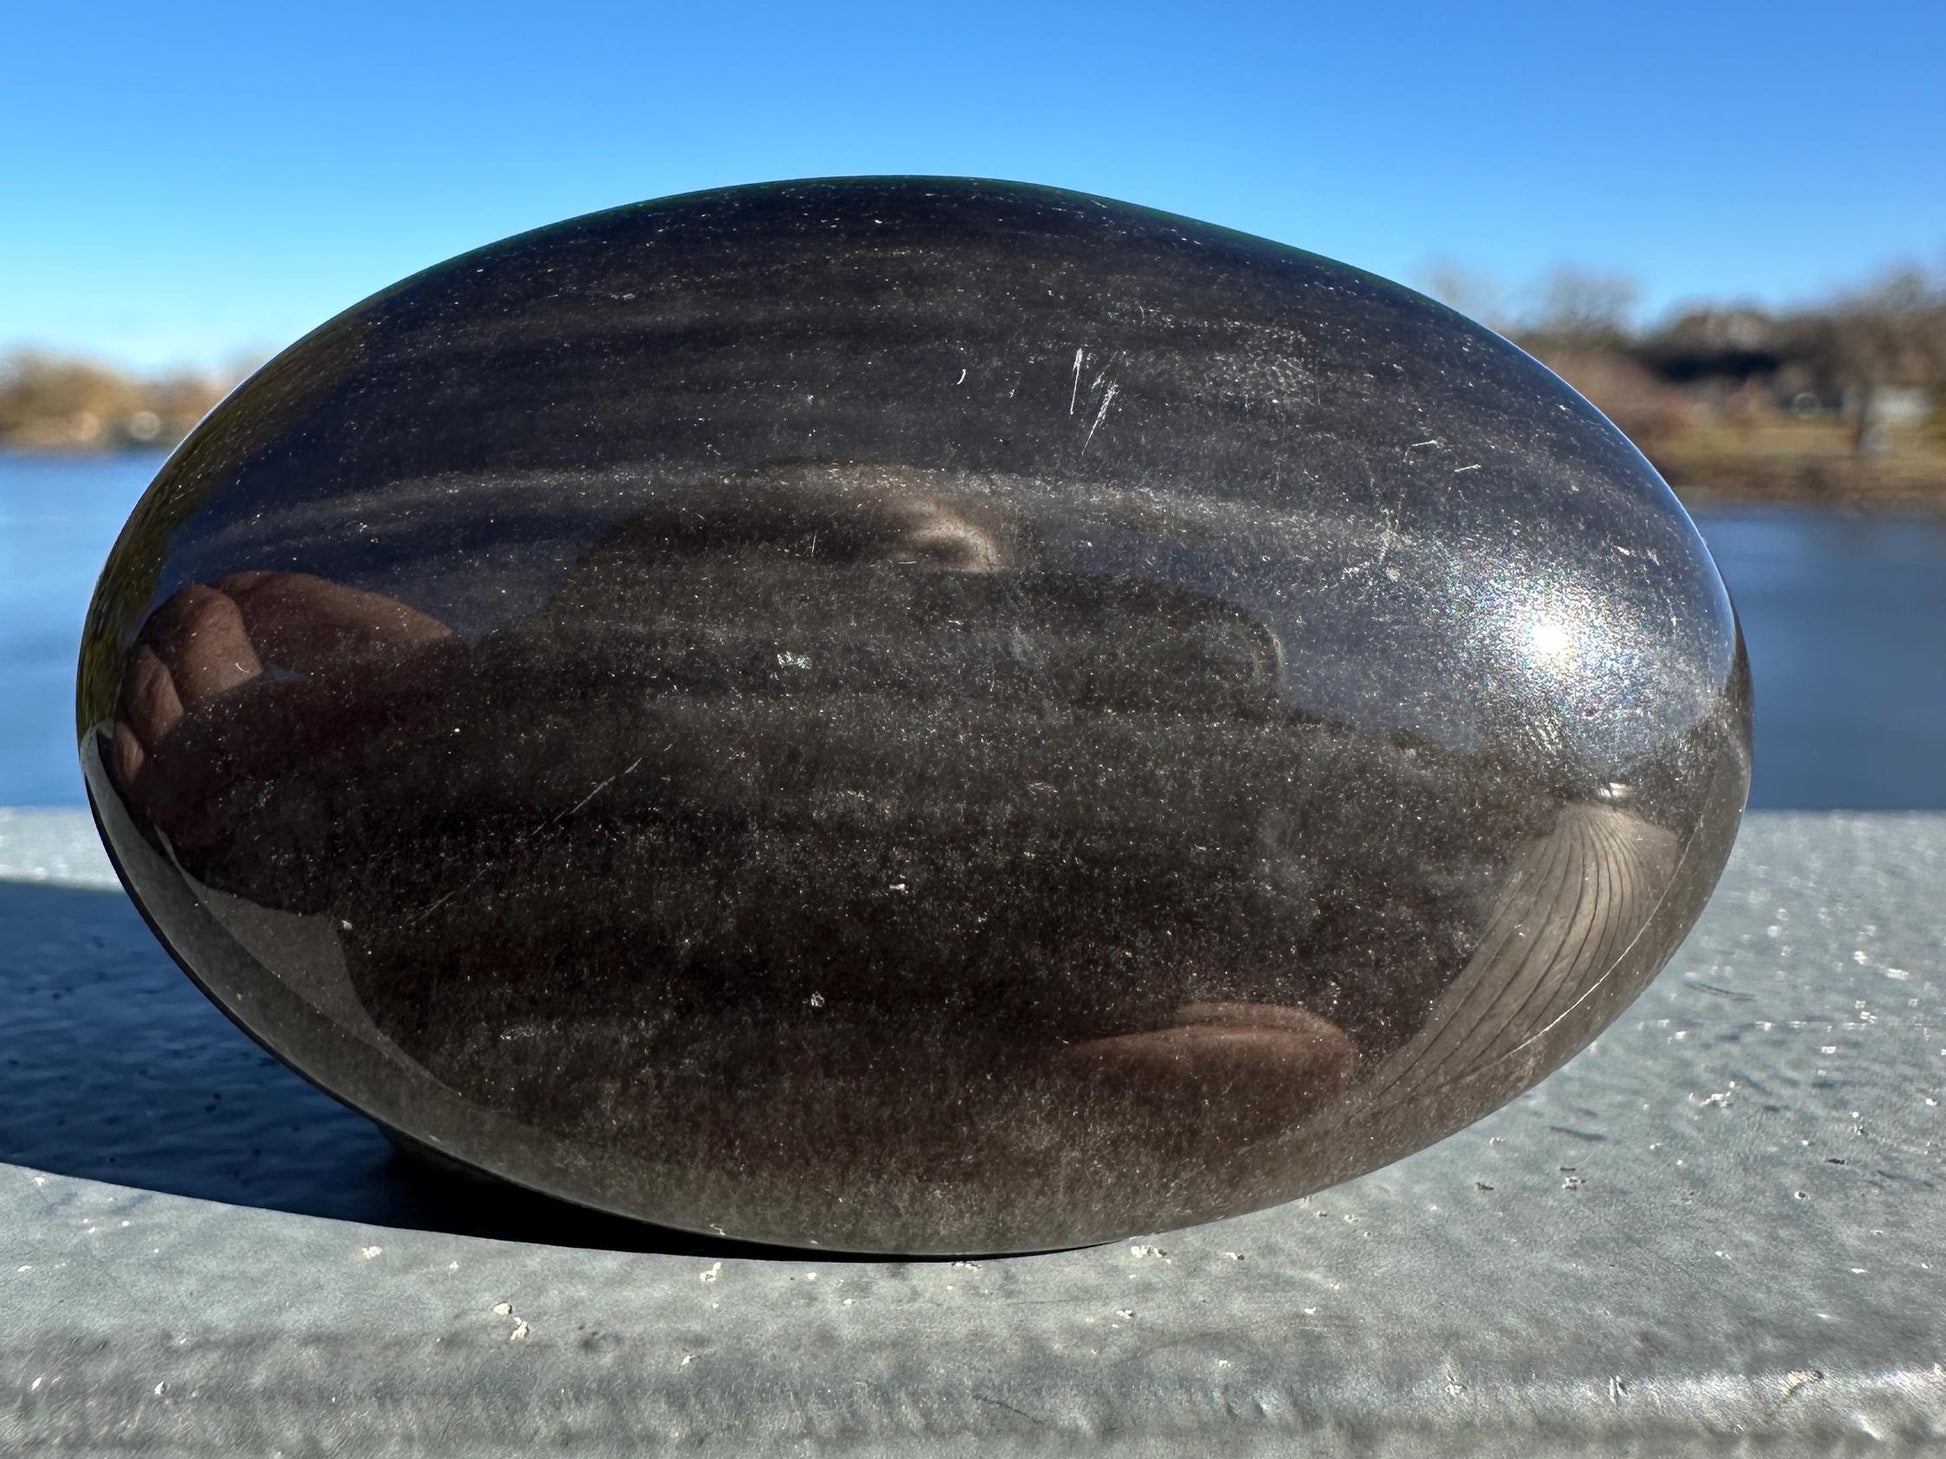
(1845, 617)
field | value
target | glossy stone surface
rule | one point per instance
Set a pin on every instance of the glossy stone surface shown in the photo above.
(913, 716)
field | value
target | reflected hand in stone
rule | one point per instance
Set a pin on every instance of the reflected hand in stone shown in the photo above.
(228, 680)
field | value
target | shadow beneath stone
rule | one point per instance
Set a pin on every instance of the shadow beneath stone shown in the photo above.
(116, 1068)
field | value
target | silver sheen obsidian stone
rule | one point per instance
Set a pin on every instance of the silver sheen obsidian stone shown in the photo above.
(913, 715)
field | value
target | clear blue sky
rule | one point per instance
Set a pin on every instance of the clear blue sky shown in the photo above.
(181, 182)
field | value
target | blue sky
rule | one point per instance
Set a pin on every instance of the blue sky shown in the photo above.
(190, 182)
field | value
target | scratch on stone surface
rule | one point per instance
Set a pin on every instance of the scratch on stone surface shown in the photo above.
(578, 805)
(1107, 399)
(520, 841)
(1391, 534)
(1461, 470)
(437, 903)
(1074, 394)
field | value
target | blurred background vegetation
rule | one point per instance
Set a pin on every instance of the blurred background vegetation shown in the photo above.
(1841, 402)
(52, 402)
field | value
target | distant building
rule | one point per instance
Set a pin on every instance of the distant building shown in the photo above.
(1733, 346)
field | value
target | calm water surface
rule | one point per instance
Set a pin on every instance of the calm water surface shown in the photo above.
(1845, 617)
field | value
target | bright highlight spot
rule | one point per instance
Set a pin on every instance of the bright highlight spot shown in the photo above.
(1549, 641)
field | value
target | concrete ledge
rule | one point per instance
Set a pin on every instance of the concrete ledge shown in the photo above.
(1719, 1230)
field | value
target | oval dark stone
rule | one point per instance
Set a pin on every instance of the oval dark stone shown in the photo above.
(914, 716)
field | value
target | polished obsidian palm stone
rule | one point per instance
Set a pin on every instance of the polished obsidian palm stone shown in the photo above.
(913, 715)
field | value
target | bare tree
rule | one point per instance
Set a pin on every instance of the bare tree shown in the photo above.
(1890, 334)
(1473, 292)
(1581, 309)
(51, 403)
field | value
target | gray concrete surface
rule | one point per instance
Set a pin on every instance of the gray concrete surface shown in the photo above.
(1720, 1230)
